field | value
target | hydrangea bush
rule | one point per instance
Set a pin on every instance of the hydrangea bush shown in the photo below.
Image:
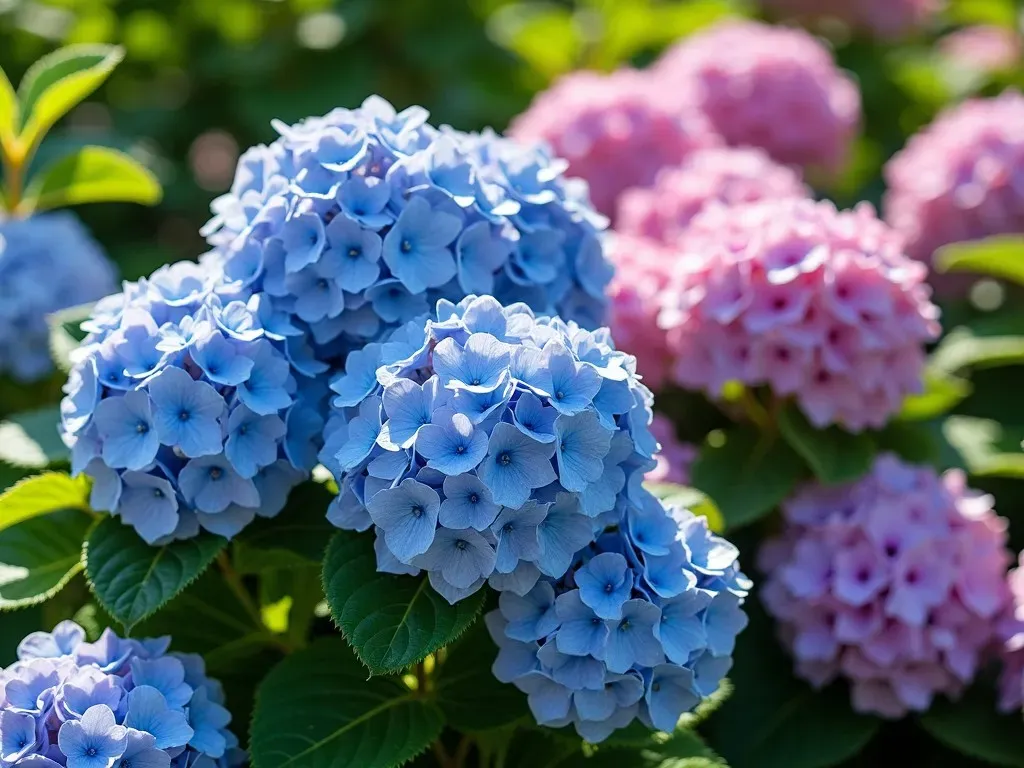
(375, 462)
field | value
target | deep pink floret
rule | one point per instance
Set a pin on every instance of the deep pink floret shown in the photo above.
(674, 457)
(615, 130)
(961, 178)
(982, 48)
(763, 86)
(885, 19)
(820, 305)
(1011, 682)
(896, 582)
(726, 175)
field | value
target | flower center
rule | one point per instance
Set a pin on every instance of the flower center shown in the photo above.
(184, 416)
(508, 528)
(655, 687)
(91, 752)
(559, 395)
(624, 625)
(475, 382)
(609, 588)
(417, 511)
(504, 459)
(406, 246)
(142, 427)
(322, 284)
(460, 450)
(354, 253)
(216, 473)
(461, 544)
(157, 493)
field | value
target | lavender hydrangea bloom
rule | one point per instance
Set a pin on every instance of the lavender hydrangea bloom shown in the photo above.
(896, 582)
(608, 641)
(354, 223)
(47, 263)
(115, 702)
(487, 444)
(185, 404)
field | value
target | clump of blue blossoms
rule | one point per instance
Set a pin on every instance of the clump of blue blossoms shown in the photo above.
(191, 409)
(354, 223)
(641, 625)
(67, 703)
(487, 444)
(47, 263)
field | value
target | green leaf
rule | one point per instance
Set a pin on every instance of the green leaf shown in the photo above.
(973, 727)
(914, 441)
(42, 494)
(39, 556)
(30, 440)
(14, 627)
(469, 694)
(962, 348)
(296, 538)
(316, 708)
(691, 499)
(58, 82)
(747, 476)
(93, 175)
(773, 720)
(999, 256)
(390, 621)
(131, 579)
(988, 448)
(942, 393)
(544, 35)
(833, 454)
(9, 110)
(66, 332)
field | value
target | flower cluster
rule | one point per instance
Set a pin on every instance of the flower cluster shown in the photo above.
(190, 409)
(615, 130)
(48, 262)
(768, 87)
(674, 456)
(730, 176)
(960, 178)
(354, 223)
(116, 702)
(984, 48)
(489, 444)
(1011, 633)
(821, 305)
(642, 625)
(883, 18)
(895, 582)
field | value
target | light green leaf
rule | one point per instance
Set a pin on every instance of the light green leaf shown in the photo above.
(30, 440)
(39, 556)
(784, 722)
(390, 621)
(833, 454)
(42, 494)
(747, 476)
(972, 727)
(92, 175)
(66, 332)
(9, 110)
(962, 348)
(132, 579)
(999, 256)
(316, 708)
(988, 448)
(691, 499)
(546, 36)
(296, 538)
(942, 392)
(469, 694)
(58, 82)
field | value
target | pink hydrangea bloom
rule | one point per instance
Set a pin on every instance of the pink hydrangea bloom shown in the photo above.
(1011, 683)
(982, 48)
(642, 269)
(961, 178)
(614, 130)
(674, 457)
(769, 87)
(821, 305)
(896, 582)
(882, 18)
(726, 175)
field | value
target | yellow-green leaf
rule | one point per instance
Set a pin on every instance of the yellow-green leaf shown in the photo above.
(9, 112)
(42, 494)
(692, 499)
(1000, 256)
(942, 391)
(58, 82)
(93, 175)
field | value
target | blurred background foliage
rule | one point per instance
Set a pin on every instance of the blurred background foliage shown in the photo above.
(203, 78)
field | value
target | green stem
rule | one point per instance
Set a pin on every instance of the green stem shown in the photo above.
(441, 754)
(234, 581)
(14, 172)
(462, 752)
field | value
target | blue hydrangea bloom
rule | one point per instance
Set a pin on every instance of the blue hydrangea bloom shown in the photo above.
(623, 633)
(115, 702)
(478, 446)
(47, 263)
(189, 409)
(356, 222)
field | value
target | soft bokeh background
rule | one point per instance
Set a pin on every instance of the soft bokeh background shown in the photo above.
(204, 78)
